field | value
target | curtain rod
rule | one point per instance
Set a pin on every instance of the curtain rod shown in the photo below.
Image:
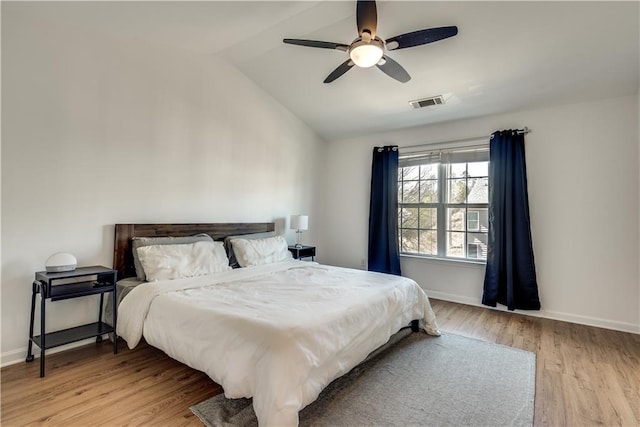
(522, 131)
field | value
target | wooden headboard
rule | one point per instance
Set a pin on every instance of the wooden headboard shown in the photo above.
(123, 255)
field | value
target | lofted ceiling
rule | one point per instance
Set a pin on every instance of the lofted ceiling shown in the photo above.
(507, 56)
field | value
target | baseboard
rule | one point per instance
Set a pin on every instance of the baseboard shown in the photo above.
(593, 321)
(16, 356)
(452, 298)
(546, 314)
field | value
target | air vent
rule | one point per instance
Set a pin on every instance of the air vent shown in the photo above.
(427, 102)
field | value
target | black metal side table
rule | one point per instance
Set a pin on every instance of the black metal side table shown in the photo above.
(58, 286)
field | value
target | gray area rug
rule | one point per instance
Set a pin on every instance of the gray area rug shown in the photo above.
(414, 380)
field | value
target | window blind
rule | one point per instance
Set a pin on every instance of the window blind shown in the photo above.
(457, 155)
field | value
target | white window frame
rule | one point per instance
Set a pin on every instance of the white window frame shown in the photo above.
(443, 157)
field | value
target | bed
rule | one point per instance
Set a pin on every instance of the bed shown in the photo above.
(278, 330)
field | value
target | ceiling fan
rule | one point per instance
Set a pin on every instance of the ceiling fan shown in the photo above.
(368, 49)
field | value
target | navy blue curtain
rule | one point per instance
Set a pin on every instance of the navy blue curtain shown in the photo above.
(510, 276)
(384, 255)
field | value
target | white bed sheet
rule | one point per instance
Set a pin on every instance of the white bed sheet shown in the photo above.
(278, 333)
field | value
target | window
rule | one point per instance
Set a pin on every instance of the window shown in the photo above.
(443, 203)
(473, 220)
(474, 250)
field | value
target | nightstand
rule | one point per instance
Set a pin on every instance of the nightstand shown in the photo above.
(83, 281)
(303, 252)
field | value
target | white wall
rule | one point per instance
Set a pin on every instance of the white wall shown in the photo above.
(99, 131)
(583, 175)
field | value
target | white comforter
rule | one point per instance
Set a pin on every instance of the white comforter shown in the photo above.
(278, 333)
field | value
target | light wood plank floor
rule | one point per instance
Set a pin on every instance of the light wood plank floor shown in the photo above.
(585, 377)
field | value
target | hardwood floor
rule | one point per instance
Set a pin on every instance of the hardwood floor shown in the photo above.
(585, 377)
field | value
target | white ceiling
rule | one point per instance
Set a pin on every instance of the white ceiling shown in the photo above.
(507, 56)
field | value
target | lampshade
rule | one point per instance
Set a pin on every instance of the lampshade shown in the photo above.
(299, 222)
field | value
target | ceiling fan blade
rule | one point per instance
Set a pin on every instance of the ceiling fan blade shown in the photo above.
(393, 69)
(420, 37)
(342, 68)
(367, 17)
(315, 43)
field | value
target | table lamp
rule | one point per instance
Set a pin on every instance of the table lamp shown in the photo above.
(299, 223)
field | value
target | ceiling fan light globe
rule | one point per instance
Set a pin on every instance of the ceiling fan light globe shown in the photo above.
(366, 55)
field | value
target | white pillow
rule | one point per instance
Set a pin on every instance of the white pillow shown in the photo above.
(163, 262)
(260, 251)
